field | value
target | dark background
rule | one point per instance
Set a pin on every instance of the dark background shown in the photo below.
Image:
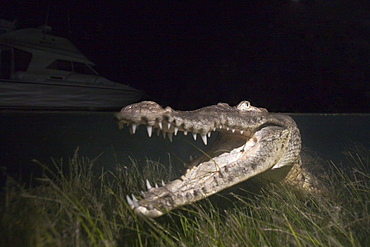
(287, 56)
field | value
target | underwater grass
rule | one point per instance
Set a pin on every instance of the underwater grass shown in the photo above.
(72, 205)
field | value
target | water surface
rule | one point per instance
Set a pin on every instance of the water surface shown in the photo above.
(41, 135)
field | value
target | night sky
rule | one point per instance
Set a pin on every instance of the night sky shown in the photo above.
(286, 56)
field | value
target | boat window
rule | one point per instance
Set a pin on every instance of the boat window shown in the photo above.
(22, 60)
(61, 65)
(82, 69)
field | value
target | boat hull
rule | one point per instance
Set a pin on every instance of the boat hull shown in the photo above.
(61, 95)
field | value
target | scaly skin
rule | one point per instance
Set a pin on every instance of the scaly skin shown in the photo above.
(250, 142)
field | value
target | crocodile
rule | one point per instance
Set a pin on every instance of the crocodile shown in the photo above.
(251, 142)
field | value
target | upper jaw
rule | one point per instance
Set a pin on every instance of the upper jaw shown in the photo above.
(203, 121)
(172, 128)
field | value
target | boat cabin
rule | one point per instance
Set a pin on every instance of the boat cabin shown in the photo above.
(34, 55)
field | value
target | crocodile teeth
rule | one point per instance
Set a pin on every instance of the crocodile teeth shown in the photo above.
(195, 136)
(176, 129)
(163, 184)
(209, 134)
(204, 138)
(160, 124)
(169, 125)
(132, 203)
(241, 132)
(133, 128)
(233, 130)
(164, 135)
(148, 184)
(150, 130)
(227, 128)
(129, 201)
(156, 185)
(170, 136)
(134, 198)
(185, 133)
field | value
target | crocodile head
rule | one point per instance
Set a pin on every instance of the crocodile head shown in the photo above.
(250, 142)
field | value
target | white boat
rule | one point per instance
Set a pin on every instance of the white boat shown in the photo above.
(42, 71)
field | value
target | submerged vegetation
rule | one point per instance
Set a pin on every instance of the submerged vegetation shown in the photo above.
(72, 205)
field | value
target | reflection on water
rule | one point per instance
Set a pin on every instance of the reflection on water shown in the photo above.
(41, 135)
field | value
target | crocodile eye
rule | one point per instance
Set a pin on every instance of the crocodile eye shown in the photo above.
(244, 105)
